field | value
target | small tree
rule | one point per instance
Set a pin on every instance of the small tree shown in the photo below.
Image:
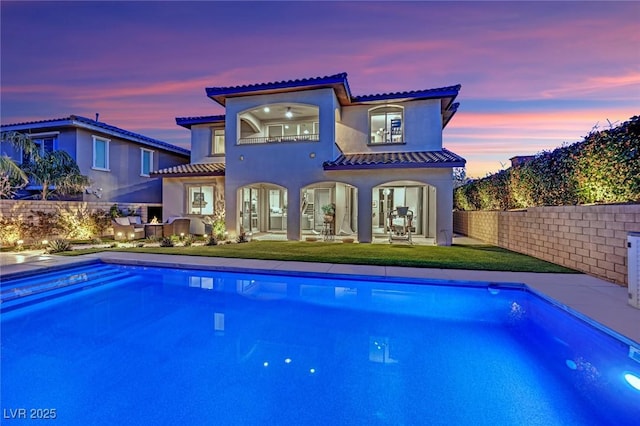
(12, 177)
(59, 170)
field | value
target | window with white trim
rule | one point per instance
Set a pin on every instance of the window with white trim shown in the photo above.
(100, 153)
(146, 161)
(200, 199)
(217, 142)
(386, 125)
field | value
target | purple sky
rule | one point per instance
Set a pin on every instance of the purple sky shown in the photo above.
(534, 75)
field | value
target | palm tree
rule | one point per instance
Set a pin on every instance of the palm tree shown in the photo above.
(12, 177)
(56, 171)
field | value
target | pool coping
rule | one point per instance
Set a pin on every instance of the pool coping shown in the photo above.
(597, 302)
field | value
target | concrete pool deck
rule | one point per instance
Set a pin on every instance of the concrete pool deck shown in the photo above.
(597, 299)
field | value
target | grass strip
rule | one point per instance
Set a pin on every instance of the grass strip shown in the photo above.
(472, 257)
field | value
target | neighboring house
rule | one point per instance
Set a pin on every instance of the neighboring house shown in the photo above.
(284, 150)
(118, 163)
(519, 160)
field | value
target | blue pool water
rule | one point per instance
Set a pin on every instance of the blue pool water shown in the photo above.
(125, 345)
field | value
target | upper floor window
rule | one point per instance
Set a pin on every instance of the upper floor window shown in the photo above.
(386, 125)
(146, 161)
(43, 145)
(100, 153)
(217, 142)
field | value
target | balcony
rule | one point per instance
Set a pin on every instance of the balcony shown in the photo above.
(278, 139)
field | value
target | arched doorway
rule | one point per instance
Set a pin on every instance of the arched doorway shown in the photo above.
(263, 208)
(419, 197)
(315, 198)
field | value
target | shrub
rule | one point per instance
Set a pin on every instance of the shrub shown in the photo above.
(12, 229)
(43, 225)
(166, 242)
(187, 240)
(603, 168)
(242, 238)
(211, 241)
(58, 246)
(82, 224)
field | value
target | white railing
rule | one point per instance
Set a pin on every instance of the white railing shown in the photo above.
(278, 139)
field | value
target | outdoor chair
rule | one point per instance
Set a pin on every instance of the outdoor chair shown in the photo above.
(125, 227)
(176, 226)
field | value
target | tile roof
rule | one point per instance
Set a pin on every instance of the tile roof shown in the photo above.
(196, 169)
(337, 81)
(79, 121)
(439, 92)
(396, 160)
(187, 122)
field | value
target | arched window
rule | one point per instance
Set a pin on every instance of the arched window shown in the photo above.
(386, 125)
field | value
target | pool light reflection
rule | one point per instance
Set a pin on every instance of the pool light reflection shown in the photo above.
(633, 380)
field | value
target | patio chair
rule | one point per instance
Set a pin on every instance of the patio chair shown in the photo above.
(176, 226)
(125, 227)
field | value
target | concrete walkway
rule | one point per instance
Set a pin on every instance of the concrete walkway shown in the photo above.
(599, 300)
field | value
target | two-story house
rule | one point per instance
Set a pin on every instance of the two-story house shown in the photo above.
(118, 163)
(285, 150)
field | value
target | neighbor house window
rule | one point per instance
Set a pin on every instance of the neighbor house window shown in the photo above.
(100, 153)
(200, 199)
(146, 162)
(217, 142)
(386, 125)
(43, 145)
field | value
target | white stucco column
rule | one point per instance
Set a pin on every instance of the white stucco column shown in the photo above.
(231, 214)
(293, 213)
(444, 217)
(365, 230)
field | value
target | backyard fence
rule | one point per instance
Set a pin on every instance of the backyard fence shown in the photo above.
(26, 219)
(590, 239)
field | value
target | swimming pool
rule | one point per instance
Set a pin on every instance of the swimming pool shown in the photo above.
(117, 344)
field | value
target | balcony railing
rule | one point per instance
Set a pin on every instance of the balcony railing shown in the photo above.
(278, 139)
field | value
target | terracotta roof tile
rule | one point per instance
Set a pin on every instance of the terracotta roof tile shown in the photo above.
(196, 169)
(395, 160)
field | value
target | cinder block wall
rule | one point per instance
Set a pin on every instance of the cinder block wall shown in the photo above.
(590, 239)
(24, 208)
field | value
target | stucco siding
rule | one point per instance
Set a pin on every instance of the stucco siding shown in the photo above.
(422, 128)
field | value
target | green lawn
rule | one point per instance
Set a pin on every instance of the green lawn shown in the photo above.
(480, 257)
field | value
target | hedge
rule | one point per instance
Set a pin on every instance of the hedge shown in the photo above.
(603, 168)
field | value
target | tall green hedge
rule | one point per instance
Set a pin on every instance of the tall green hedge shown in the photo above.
(603, 168)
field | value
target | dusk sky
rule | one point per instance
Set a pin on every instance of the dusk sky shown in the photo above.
(534, 75)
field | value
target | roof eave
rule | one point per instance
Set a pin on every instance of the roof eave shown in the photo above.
(337, 82)
(187, 122)
(395, 166)
(449, 114)
(450, 92)
(79, 122)
(174, 149)
(63, 122)
(179, 175)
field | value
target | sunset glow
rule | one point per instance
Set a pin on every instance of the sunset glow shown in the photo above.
(534, 75)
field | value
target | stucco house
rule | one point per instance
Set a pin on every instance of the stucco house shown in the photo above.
(284, 150)
(119, 163)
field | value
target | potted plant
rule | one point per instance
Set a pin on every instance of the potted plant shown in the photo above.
(329, 211)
